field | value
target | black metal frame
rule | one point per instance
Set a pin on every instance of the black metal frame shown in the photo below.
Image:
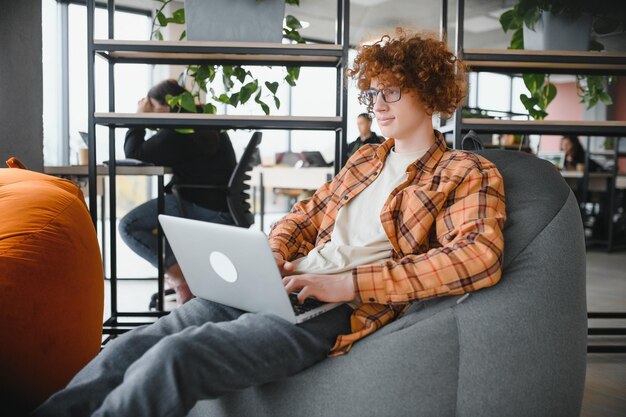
(226, 122)
(117, 323)
(606, 64)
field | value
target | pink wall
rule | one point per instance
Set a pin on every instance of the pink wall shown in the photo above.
(565, 106)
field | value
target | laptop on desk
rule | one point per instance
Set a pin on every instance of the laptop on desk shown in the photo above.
(315, 159)
(234, 266)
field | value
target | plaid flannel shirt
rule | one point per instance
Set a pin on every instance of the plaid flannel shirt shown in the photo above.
(444, 223)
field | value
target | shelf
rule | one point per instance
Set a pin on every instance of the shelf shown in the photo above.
(218, 121)
(550, 127)
(83, 170)
(553, 62)
(195, 52)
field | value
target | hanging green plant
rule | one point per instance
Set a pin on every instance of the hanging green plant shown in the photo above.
(240, 83)
(591, 88)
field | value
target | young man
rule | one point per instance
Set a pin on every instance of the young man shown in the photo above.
(366, 136)
(404, 221)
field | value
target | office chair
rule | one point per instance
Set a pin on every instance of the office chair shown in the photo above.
(236, 190)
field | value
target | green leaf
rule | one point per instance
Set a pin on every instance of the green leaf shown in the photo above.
(290, 80)
(234, 100)
(509, 20)
(228, 82)
(605, 98)
(240, 74)
(294, 72)
(247, 91)
(293, 35)
(172, 101)
(178, 16)
(158, 35)
(162, 19)
(533, 82)
(292, 22)
(550, 93)
(223, 98)
(273, 87)
(265, 107)
(210, 108)
(184, 131)
(227, 69)
(517, 40)
(187, 102)
(277, 102)
(528, 102)
(529, 12)
(183, 35)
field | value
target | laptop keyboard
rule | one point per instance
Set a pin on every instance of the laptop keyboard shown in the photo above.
(308, 305)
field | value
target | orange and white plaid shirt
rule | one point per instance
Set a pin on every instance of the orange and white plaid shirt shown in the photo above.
(444, 223)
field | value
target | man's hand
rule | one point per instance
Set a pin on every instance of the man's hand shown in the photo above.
(144, 106)
(327, 288)
(284, 267)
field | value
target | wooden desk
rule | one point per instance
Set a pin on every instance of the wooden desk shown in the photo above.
(598, 181)
(310, 178)
(103, 170)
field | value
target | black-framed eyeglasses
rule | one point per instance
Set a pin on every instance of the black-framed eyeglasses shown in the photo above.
(390, 95)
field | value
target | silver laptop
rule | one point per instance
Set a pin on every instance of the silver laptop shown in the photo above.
(234, 266)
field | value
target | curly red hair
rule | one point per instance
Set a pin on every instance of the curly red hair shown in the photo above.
(418, 62)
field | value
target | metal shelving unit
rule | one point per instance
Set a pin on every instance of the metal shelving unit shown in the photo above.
(554, 62)
(192, 52)
(221, 121)
(512, 61)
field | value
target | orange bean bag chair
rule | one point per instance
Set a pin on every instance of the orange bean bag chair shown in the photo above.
(51, 286)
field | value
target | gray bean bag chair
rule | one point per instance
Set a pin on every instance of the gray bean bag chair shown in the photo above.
(515, 349)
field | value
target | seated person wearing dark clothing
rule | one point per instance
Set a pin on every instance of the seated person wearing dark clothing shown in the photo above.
(575, 155)
(366, 136)
(204, 157)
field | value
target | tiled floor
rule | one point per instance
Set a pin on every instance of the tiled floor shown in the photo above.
(605, 389)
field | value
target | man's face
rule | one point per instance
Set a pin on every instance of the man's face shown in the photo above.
(402, 118)
(364, 125)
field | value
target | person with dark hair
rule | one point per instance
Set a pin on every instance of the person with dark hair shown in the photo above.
(574, 152)
(575, 155)
(366, 136)
(202, 157)
(404, 221)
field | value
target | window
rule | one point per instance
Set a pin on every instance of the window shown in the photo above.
(132, 81)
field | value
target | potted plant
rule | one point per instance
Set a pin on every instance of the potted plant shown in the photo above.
(240, 83)
(559, 25)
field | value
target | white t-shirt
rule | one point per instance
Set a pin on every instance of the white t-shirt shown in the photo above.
(358, 237)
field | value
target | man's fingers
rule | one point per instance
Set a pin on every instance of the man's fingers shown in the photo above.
(292, 283)
(304, 293)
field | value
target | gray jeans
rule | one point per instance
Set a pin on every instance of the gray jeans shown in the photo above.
(138, 228)
(201, 350)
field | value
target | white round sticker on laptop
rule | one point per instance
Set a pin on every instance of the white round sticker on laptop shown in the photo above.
(223, 266)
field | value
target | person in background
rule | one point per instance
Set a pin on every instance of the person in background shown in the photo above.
(202, 157)
(366, 136)
(575, 155)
